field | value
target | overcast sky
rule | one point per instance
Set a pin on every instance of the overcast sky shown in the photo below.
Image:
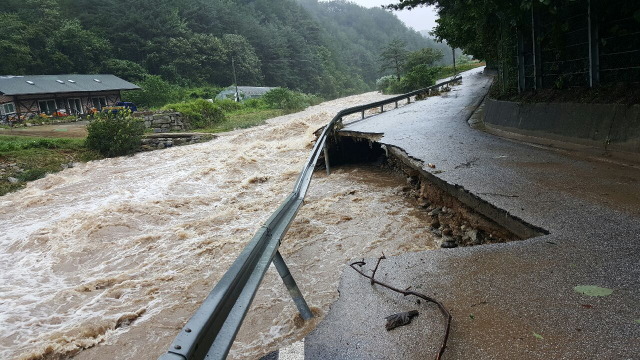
(422, 18)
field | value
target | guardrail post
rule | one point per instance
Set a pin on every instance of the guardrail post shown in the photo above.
(326, 158)
(291, 285)
(381, 108)
(363, 114)
(409, 100)
(396, 104)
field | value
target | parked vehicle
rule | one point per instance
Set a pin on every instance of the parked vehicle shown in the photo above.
(122, 105)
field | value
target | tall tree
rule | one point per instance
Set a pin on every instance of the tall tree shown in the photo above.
(426, 56)
(393, 57)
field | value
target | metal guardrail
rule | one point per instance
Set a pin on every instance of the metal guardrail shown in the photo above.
(211, 330)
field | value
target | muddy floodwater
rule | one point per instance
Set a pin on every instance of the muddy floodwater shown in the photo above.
(108, 260)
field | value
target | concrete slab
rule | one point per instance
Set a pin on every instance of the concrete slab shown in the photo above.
(501, 294)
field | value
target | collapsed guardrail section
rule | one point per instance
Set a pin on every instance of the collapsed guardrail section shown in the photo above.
(212, 329)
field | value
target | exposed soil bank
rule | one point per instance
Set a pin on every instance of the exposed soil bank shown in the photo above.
(457, 217)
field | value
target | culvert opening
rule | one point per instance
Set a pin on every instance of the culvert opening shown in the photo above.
(457, 217)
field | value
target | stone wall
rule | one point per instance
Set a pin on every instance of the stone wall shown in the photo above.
(161, 141)
(162, 122)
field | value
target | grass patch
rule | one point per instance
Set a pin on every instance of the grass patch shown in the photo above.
(242, 119)
(28, 158)
(447, 71)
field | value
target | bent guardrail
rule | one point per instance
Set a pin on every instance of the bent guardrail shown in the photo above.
(211, 330)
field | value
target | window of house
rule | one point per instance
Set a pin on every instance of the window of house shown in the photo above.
(47, 106)
(7, 109)
(75, 106)
(99, 102)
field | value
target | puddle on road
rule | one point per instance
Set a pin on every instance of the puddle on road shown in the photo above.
(120, 252)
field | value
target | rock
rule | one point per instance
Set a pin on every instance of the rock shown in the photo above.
(435, 224)
(71, 165)
(449, 244)
(169, 144)
(447, 231)
(435, 212)
(472, 235)
(13, 180)
(423, 203)
(161, 145)
(445, 209)
(436, 232)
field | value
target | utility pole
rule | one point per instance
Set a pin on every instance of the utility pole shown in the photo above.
(454, 61)
(235, 79)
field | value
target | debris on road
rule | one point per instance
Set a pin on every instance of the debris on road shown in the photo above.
(406, 292)
(400, 319)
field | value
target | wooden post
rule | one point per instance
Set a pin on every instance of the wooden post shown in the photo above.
(594, 39)
(16, 103)
(537, 57)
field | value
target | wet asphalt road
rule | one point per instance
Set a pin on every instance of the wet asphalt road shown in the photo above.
(500, 295)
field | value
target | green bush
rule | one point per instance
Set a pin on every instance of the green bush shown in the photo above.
(201, 113)
(419, 77)
(384, 82)
(154, 92)
(282, 98)
(255, 104)
(32, 174)
(389, 85)
(204, 92)
(115, 134)
(228, 105)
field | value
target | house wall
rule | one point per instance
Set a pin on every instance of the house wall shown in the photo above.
(28, 104)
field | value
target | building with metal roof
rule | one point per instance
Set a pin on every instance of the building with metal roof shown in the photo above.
(73, 94)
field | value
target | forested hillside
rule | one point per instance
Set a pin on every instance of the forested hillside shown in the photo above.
(330, 49)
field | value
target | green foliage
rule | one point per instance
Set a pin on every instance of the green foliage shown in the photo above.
(327, 48)
(32, 174)
(155, 92)
(228, 105)
(15, 143)
(281, 98)
(592, 290)
(421, 76)
(114, 134)
(201, 113)
(38, 156)
(255, 104)
(125, 69)
(203, 92)
(14, 45)
(425, 56)
(388, 84)
(394, 57)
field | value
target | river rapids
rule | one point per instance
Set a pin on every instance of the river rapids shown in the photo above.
(109, 259)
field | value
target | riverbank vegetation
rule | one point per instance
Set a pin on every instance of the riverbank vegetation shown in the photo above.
(24, 159)
(413, 70)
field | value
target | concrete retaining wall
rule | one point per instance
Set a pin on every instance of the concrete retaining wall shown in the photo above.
(605, 126)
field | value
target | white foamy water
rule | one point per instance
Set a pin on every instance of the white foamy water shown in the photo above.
(110, 258)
